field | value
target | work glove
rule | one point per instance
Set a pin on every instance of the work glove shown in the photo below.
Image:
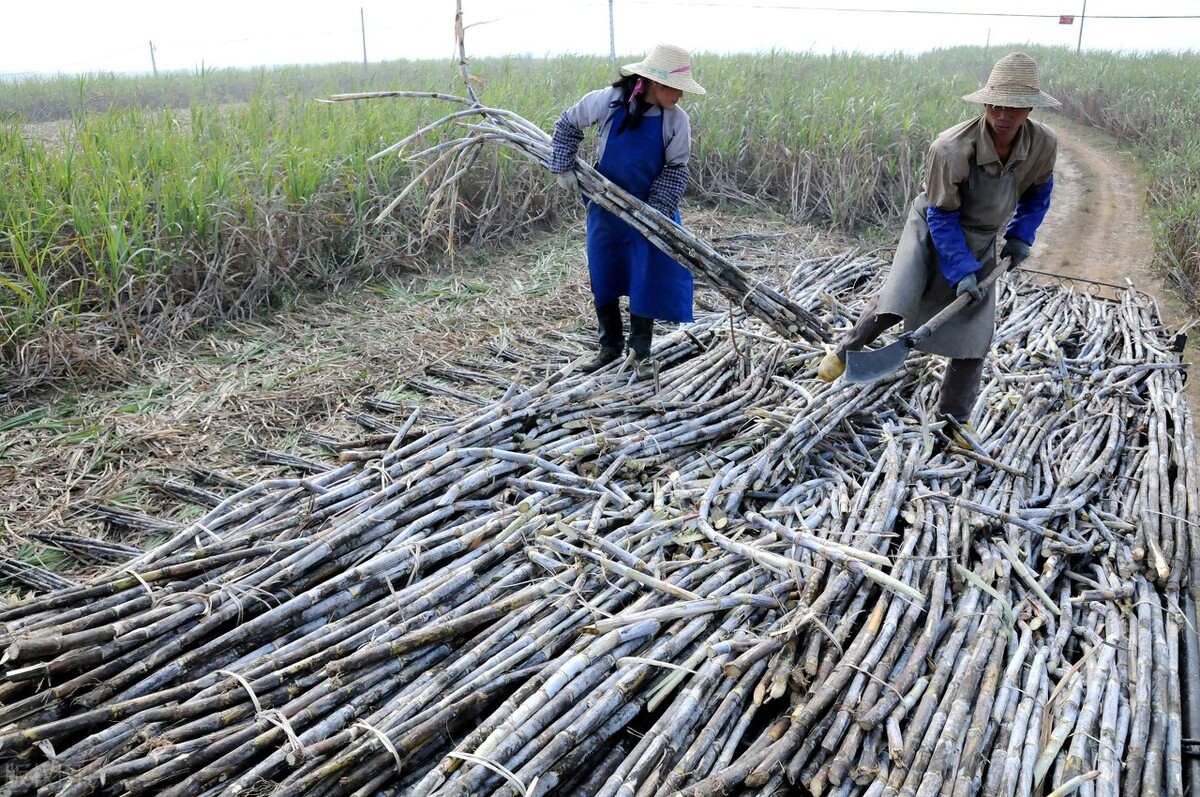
(1017, 249)
(969, 284)
(567, 180)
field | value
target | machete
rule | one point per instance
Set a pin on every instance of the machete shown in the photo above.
(867, 366)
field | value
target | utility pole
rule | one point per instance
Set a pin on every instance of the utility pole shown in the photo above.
(153, 65)
(362, 19)
(1082, 16)
(612, 36)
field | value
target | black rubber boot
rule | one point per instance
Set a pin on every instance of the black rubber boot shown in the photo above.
(610, 330)
(603, 358)
(611, 336)
(641, 332)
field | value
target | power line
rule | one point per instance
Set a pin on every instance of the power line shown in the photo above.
(533, 6)
(793, 7)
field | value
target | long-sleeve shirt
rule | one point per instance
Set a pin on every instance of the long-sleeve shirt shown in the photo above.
(595, 108)
(951, 169)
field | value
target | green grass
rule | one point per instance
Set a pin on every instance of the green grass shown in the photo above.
(138, 207)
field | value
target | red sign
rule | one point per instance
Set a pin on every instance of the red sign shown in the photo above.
(1066, 19)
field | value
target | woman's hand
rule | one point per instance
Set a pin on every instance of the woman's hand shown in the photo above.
(567, 180)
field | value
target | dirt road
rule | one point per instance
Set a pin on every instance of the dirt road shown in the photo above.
(1097, 229)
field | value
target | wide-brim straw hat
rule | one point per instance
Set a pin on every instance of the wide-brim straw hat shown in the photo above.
(1014, 84)
(668, 65)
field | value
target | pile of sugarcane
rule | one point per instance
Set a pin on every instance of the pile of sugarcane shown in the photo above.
(730, 579)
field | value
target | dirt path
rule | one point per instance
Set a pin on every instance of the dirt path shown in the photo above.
(1097, 229)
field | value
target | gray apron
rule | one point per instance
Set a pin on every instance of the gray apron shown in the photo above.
(915, 289)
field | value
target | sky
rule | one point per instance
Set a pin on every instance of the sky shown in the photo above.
(137, 36)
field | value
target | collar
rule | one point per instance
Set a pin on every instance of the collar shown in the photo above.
(653, 110)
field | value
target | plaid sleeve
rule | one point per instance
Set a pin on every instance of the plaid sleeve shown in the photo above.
(667, 189)
(565, 143)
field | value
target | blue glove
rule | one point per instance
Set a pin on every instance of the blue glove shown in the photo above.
(1016, 249)
(969, 284)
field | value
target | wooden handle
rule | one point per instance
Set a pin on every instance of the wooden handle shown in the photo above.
(960, 301)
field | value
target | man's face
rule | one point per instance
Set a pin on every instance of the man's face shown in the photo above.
(1006, 121)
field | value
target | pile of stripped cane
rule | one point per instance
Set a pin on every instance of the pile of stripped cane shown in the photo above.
(727, 580)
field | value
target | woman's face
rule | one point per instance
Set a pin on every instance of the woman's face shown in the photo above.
(1005, 122)
(662, 96)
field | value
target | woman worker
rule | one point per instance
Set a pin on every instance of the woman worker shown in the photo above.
(644, 145)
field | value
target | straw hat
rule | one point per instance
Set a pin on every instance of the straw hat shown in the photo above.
(1014, 84)
(668, 65)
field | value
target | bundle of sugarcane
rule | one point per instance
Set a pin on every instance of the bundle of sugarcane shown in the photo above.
(737, 578)
(451, 159)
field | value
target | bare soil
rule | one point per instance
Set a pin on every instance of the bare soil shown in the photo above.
(1097, 232)
(209, 403)
(1096, 228)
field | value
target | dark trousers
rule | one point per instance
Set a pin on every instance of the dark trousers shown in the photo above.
(960, 383)
(612, 331)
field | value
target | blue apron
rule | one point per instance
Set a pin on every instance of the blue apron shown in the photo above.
(620, 260)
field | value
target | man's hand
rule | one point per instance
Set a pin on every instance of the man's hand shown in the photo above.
(1016, 249)
(567, 180)
(969, 284)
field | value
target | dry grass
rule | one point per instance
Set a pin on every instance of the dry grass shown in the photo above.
(304, 374)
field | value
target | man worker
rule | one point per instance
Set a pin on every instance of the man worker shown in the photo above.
(990, 175)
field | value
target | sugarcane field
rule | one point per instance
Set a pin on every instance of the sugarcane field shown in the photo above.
(315, 496)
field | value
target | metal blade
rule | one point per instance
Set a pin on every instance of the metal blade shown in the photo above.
(867, 366)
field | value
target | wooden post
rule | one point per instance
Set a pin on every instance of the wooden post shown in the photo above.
(1082, 16)
(612, 36)
(153, 65)
(362, 20)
